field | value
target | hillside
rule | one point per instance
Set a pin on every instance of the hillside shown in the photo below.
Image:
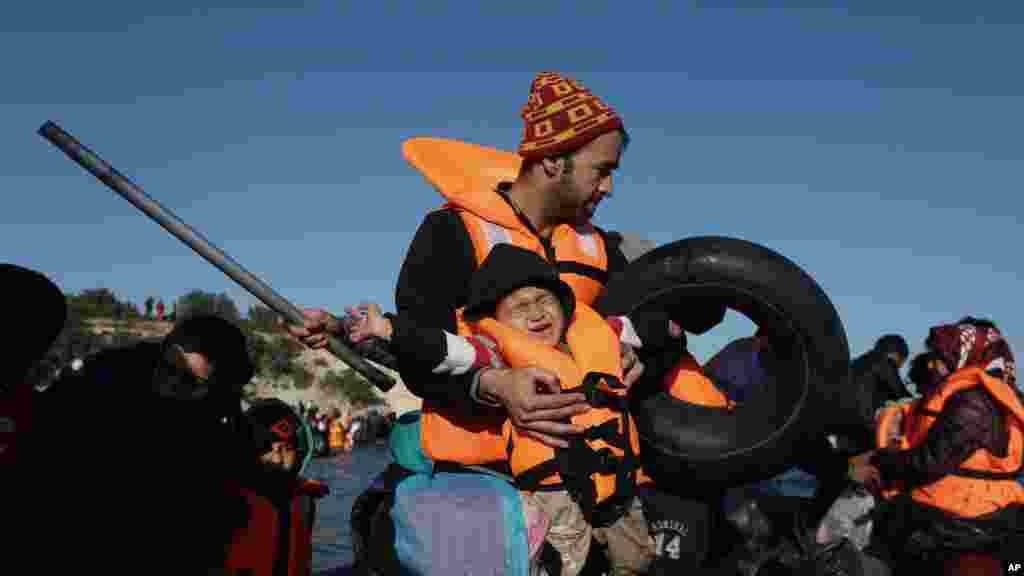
(318, 363)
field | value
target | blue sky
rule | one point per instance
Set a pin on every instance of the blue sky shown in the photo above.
(879, 147)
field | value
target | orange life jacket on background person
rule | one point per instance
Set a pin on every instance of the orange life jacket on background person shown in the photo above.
(467, 175)
(985, 482)
(599, 466)
(275, 542)
(336, 439)
(687, 381)
(889, 418)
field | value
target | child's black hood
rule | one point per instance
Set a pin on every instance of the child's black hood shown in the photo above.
(508, 268)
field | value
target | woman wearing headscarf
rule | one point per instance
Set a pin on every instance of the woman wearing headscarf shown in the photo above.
(965, 436)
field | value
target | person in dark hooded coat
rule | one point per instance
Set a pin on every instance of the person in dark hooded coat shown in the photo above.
(37, 307)
(875, 379)
(139, 443)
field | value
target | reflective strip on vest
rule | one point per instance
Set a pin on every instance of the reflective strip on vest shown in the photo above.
(495, 235)
(588, 244)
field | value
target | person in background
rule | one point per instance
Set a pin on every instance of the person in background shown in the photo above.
(273, 496)
(38, 306)
(956, 479)
(875, 380)
(173, 409)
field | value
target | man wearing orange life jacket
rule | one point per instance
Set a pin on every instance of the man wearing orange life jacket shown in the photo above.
(957, 451)
(274, 531)
(571, 146)
(542, 201)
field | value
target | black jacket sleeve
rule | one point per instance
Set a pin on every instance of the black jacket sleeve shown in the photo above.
(432, 285)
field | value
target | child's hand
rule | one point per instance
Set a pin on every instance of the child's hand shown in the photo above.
(863, 472)
(632, 367)
(366, 320)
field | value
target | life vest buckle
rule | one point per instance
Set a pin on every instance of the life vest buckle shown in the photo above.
(606, 461)
(601, 390)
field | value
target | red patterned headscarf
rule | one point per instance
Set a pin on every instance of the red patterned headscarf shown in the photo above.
(967, 345)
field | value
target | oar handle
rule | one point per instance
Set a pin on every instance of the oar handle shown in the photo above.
(132, 193)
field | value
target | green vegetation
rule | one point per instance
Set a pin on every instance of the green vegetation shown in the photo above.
(302, 378)
(198, 302)
(101, 303)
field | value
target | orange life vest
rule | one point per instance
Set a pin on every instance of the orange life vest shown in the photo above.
(687, 381)
(336, 439)
(889, 418)
(260, 548)
(598, 467)
(467, 175)
(985, 482)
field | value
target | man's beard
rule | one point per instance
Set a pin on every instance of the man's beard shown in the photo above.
(571, 211)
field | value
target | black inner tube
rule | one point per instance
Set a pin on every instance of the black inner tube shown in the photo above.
(758, 421)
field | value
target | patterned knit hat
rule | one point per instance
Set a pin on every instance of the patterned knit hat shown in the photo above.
(561, 116)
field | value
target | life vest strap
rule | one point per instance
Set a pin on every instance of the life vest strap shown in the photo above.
(581, 269)
(578, 460)
(597, 386)
(607, 431)
(577, 463)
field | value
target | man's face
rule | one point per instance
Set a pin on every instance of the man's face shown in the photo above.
(534, 310)
(586, 178)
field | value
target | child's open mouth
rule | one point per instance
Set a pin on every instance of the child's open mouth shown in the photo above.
(540, 328)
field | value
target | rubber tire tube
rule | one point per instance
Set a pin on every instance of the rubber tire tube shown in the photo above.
(683, 442)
